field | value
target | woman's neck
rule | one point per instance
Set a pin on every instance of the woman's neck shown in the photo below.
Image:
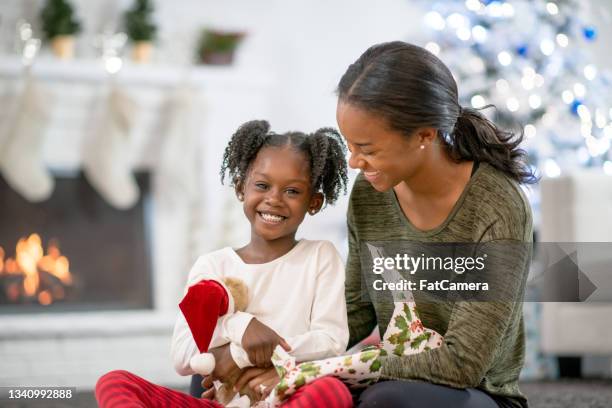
(260, 250)
(428, 197)
(439, 177)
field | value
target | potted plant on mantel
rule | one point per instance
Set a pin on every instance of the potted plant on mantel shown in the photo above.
(59, 26)
(218, 47)
(140, 29)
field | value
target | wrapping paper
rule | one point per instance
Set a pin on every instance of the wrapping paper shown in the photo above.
(405, 336)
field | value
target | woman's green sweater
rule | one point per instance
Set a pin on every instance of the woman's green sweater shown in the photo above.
(483, 341)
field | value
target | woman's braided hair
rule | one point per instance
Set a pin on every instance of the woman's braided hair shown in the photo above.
(324, 149)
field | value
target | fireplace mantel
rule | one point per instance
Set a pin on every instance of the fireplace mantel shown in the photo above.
(148, 75)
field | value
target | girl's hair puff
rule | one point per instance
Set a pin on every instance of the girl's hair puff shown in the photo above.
(324, 149)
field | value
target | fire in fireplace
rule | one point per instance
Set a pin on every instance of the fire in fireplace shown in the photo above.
(34, 276)
(103, 262)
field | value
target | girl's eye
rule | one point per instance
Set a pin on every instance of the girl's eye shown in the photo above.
(367, 153)
(261, 186)
(292, 191)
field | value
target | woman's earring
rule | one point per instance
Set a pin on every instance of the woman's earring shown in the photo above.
(312, 211)
(240, 196)
(422, 147)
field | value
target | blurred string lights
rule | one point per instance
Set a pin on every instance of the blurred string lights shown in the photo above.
(530, 59)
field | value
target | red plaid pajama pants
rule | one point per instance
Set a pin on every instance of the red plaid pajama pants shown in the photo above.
(122, 389)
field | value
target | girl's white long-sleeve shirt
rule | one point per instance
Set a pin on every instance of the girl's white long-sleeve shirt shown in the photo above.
(300, 295)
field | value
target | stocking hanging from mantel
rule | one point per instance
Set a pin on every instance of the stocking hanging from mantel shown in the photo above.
(177, 173)
(21, 150)
(106, 154)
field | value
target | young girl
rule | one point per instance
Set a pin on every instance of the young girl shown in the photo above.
(296, 288)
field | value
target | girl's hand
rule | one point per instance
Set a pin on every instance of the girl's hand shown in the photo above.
(259, 341)
(225, 367)
(261, 381)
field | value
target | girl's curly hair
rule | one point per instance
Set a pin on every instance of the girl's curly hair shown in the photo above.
(324, 149)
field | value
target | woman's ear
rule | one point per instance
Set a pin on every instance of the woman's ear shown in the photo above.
(316, 202)
(426, 136)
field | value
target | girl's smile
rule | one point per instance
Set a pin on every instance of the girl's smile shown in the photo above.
(271, 218)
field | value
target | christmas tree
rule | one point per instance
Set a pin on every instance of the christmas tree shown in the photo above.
(58, 18)
(530, 59)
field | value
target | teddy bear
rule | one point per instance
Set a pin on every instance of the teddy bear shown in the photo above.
(204, 303)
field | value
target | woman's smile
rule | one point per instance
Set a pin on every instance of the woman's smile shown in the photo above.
(372, 176)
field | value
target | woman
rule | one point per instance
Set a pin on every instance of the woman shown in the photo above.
(434, 172)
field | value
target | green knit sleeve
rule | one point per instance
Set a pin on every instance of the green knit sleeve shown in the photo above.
(477, 332)
(360, 311)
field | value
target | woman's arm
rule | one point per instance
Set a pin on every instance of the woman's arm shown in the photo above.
(360, 311)
(476, 330)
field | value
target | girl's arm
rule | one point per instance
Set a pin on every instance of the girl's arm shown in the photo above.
(328, 334)
(183, 345)
(230, 329)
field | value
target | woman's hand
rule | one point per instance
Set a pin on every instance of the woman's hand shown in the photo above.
(261, 381)
(259, 341)
(207, 384)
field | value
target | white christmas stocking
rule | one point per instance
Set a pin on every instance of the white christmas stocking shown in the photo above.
(178, 165)
(106, 158)
(21, 160)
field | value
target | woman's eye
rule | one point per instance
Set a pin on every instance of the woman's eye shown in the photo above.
(292, 191)
(367, 153)
(261, 186)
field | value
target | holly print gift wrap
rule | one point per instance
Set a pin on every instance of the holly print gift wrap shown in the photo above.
(405, 335)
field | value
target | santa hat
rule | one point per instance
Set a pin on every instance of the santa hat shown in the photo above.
(202, 306)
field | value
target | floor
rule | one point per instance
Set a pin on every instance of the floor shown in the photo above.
(569, 394)
(554, 394)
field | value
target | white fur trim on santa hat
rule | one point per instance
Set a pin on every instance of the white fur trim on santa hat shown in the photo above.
(203, 363)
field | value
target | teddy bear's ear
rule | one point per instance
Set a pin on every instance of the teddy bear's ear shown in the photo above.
(239, 292)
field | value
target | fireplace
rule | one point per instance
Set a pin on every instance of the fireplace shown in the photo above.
(74, 252)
